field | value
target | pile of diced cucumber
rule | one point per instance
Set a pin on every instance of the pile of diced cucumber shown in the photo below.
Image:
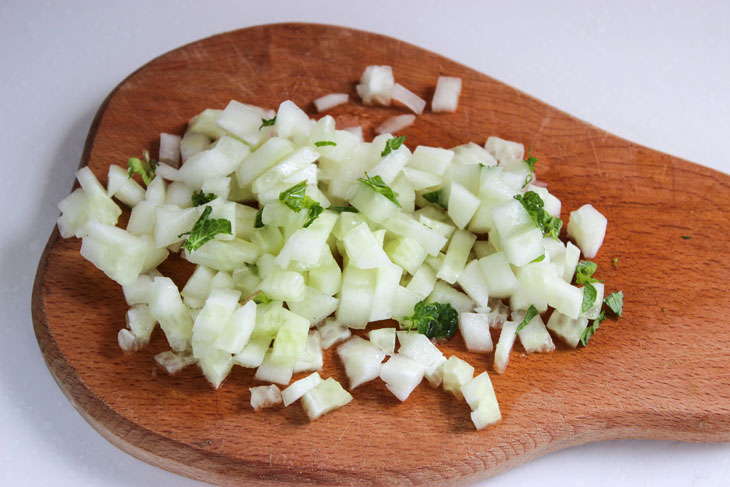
(301, 232)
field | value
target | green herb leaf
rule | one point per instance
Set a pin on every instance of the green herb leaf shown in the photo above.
(591, 329)
(686, 237)
(614, 261)
(145, 167)
(589, 297)
(615, 301)
(535, 207)
(437, 197)
(205, 229)
(584, 272)
(297, 200)
(261, 298)
(528, 179)
(314, 211)
(538, 259)
(259, 220)
(200, 198)
(530, 161)
(294, 197)
(393, 144)
(379, 186)
(322, 143)
(435, 320)
(343, 209)
(267, 123)
(529, 315)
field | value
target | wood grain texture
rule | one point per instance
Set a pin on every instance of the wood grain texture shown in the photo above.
(661, 372)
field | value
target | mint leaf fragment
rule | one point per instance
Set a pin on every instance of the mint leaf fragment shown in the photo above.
(322, 143)
(535, 207)
(591, 329)
(297, 200)
(584, 272)
(589, 297)
(435, 320)
(204, 230)
(377, 184)
(145, 167)
(393, 144)
(437, 197)
(267, 123)
(200, 198)
(344, 209)
(615, 301)
(529, 315)
(259, 220)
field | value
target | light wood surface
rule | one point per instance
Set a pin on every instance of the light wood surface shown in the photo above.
(661, 372)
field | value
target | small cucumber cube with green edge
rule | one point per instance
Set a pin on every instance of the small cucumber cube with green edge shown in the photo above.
(479, 394)
(298, 388)
(362, 360)
(587, 226)
(325, 397)
(566, 328)
(423, 281)
(534, 336)
(457, 372)
(473, 283)
(462, 205)
(504, 346)
(373, 205)
(384, 339)
(503, 149)
(402, 375)
(315, 305)
(496, 270)
(356, 296)
(406, 252)
(474, 328)
(443, 293)
(456, 256)
(311, 359)
(332, 332)
(274, 371)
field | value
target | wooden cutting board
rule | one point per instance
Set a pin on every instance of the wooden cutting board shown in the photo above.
(661, 372)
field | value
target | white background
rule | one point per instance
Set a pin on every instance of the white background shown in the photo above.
(654, 72)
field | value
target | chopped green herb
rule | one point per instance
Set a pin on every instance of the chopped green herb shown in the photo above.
(615, 301)
(259, 220)
(200, 198)
(205, 229)
(314, 211)
(530, 161)
(322, 143)
(261, 298)
(589, 297)
(539, 259)
(528, 179)
(145, 167)
(435, 320)
(533, 204)
(393, 144)
(437, 197)
(686, 237)
(529, 315)
(584, 272)
(296, 199)
(591, 329)
(267, 123)
(614, 261)
(343, 209)
(377, 184)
